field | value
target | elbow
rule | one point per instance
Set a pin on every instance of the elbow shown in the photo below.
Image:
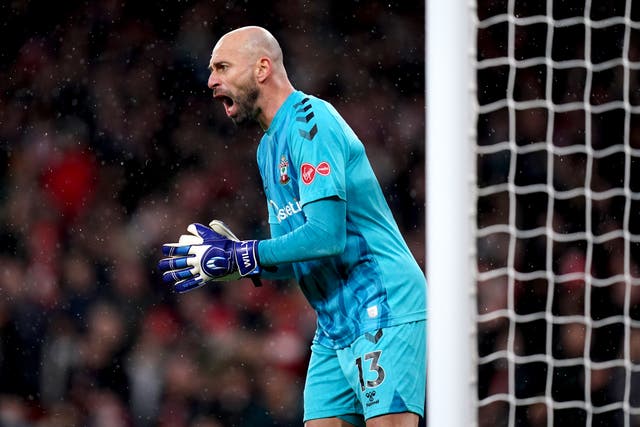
(334, 243)
(338, 245)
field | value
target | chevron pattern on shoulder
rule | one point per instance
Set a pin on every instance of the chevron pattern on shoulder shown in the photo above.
(305, 116)
(309, 135)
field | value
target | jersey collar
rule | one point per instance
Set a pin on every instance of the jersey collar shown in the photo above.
(282, 111)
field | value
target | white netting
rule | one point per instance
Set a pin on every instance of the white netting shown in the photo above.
(558, 213)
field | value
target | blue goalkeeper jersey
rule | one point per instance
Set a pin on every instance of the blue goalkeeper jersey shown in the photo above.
(310, 153)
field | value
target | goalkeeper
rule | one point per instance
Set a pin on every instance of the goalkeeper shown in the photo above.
(331, 230)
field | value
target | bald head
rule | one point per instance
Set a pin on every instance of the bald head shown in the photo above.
(252, 42)
(248, 75)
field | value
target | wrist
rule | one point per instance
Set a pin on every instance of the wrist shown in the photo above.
(246, 257)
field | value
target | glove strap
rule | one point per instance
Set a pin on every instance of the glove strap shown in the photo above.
(246, 257)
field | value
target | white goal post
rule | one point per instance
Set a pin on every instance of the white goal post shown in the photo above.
(449, 179)
(533, 212)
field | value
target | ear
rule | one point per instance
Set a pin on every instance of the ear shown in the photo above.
(263, 69)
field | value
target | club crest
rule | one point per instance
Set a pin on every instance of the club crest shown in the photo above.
(284, 168)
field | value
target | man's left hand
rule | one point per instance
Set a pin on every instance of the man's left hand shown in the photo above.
(205, 255)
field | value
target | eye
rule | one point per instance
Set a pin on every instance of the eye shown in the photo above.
(218, 67)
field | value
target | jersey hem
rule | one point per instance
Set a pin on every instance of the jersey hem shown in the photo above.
(369, 327)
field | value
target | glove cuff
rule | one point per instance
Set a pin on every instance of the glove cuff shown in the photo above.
(246, 257)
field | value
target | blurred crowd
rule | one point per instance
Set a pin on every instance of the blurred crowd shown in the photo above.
(110, 145)
(560, 320)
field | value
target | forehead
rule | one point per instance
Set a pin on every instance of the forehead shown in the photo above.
(226, 50)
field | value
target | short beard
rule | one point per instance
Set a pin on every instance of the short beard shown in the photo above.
(247, 110)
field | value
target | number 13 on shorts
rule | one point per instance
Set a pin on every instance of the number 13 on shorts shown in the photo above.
(390, 365)
(372, 376)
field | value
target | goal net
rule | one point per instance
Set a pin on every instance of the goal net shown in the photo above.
(555, 271)
(558, 213)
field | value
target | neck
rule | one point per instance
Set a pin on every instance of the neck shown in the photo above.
(272, 100)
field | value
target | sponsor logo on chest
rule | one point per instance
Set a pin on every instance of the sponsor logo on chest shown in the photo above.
(291, 208)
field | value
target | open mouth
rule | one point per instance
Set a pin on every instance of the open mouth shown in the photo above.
(228, 105)
(227, 102)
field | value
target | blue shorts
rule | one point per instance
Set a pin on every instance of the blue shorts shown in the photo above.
(379, 373)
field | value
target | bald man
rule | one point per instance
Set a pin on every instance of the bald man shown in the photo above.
(332, 231)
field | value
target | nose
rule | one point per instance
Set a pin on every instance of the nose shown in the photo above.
(213, 81)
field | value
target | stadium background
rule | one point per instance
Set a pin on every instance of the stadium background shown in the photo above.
(110, 144)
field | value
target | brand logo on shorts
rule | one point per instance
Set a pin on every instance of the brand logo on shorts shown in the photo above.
(371, 397)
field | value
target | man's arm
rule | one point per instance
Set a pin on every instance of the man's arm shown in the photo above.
(207, 254)
(324, 234)
(282, 271)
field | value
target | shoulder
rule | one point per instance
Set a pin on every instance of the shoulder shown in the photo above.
(312, 116)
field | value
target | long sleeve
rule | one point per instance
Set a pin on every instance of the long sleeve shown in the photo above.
(322, 235)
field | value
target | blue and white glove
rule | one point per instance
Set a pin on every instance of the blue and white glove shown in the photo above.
(207, 254)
